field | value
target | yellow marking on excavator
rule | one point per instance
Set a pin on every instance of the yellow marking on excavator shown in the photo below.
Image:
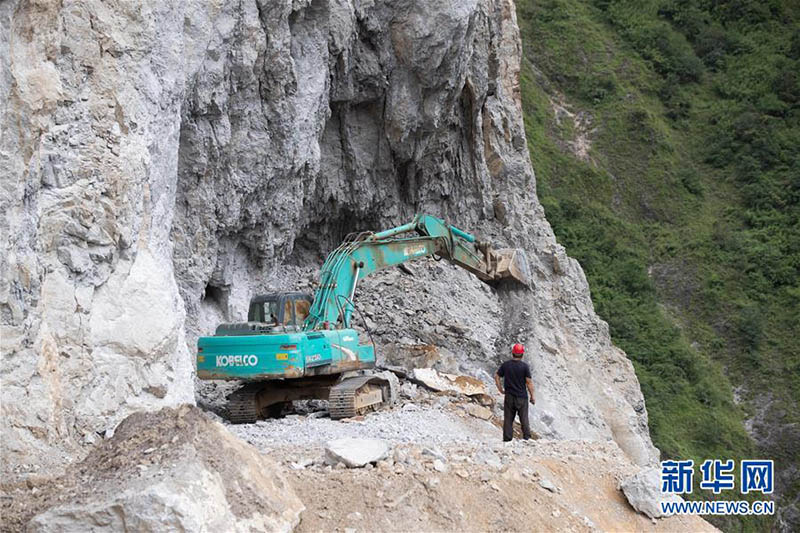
(282, 356)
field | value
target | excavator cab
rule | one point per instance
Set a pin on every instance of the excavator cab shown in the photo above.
(285, 309)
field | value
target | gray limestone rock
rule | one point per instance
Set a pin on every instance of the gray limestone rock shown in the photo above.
(643, 491)
(487, 457)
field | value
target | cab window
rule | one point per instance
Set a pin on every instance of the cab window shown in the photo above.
(266, 311)
(288, 313)
(271, 312)
(301, 309)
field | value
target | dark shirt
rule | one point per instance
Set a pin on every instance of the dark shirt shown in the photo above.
(514, 373)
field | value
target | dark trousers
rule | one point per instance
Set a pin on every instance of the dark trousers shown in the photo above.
(511, 406)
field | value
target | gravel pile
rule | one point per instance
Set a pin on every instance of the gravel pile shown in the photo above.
(406, 424)
(440, 305)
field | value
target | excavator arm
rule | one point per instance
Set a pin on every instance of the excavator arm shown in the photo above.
(362, 254)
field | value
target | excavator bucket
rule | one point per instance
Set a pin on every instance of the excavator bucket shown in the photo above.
(511, 263)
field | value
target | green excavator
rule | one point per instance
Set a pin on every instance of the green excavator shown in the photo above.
(296, 347)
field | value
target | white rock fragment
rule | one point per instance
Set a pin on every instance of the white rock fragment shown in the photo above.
(432, 483)
(400, 455)
(409, 390)
(301, 464)
(547, 485)
(435, 453)
(488, 457)
(356, 453)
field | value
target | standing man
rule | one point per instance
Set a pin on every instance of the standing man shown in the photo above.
(516, 376)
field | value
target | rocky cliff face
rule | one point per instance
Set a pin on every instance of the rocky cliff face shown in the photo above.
(163, 160)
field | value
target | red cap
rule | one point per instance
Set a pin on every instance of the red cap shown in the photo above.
(518, 349)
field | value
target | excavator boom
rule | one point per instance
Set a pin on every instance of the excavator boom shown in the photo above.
(364, 253)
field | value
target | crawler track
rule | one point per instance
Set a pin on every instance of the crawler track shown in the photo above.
(354, 396)
(243, 404)
(347, 398)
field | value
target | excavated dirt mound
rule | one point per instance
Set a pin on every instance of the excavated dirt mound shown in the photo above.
(447, 470)
(522, 486)
(170, 469)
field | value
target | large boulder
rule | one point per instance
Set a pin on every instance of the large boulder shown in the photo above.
(174, 470)
(441, 382)
(643, 491)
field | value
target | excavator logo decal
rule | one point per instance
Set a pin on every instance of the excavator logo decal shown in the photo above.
(236, 360)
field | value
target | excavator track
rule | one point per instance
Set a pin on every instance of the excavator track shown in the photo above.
(354, 396)
(243, 404)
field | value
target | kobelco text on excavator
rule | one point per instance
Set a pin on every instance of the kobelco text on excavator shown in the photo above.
(295, 346)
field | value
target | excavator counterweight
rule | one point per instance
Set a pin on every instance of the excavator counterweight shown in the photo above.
(297, 347)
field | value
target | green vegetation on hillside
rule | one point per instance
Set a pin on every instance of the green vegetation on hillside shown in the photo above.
(684, 212)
